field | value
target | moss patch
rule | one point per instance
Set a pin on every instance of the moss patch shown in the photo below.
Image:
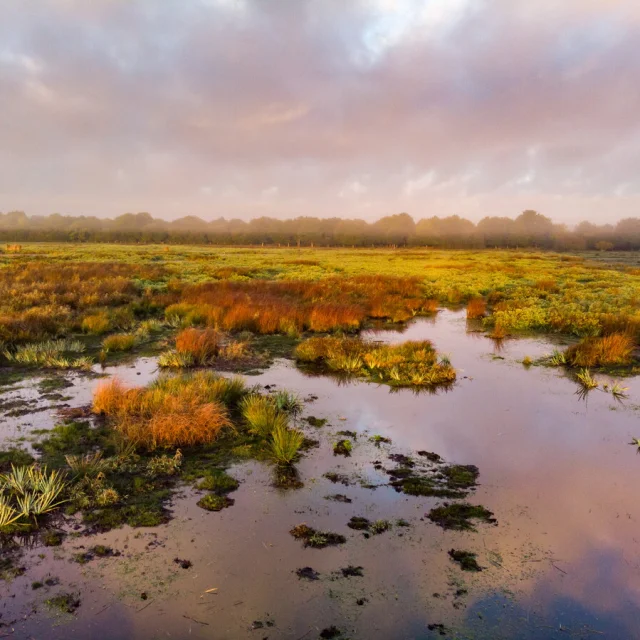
(466, 560)
(458, 516)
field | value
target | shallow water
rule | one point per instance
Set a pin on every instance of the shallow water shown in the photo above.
(556, 470)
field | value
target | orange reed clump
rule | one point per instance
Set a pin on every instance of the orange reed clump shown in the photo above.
(476, 308)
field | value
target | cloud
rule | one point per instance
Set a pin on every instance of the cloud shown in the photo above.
(439, 104)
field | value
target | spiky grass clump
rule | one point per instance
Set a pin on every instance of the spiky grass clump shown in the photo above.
(586, 380)
(557, 358)
(611, 350)
(407, 364)
(29, 492)
(285, 444)
(175, 411)
(288, 403)
(50, 354)
(119, 342)
(262, 415)
(89, 464)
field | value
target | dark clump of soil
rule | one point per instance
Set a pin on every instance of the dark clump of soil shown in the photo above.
(316, 422)
(348, 434)
(286, 476)
(359, 523)
(465, 559)
(458, 516)
(440, 628)
(52, 537)
(452, 481)
(378, 440)
(98, 551)
(307, 573)
(430, 456)
(352, 572)
(184, 564)
(337, 478)
(330, 632)
(316, 539)
(64, 602)
(338, 497)
(402, 460)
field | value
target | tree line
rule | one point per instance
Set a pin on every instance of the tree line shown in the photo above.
(529, 229)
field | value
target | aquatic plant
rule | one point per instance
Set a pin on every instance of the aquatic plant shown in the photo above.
(586, 380)
(342, 448)
(285, 444)
(466, 560)
(28, 492)
(288, 403)
(214, 502)
(262, 415)
(618, 391)
(557, 358)
(316, 539)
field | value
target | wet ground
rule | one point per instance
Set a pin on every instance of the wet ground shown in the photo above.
(555, 468)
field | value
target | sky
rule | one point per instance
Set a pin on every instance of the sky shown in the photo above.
(350, 108)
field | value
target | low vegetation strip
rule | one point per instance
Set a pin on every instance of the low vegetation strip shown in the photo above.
(411, 364)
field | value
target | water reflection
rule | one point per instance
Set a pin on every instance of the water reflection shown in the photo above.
(557, 472)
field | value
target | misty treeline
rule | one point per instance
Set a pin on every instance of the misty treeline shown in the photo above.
(529, 229)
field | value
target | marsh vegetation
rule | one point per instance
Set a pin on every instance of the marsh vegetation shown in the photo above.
(244, 342)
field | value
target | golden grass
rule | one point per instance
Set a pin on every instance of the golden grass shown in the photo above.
(614, 349)
(412, 363)
(119, 342)
(182, 411)
(96, 323)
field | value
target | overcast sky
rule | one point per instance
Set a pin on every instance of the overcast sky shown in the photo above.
(353, 108)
